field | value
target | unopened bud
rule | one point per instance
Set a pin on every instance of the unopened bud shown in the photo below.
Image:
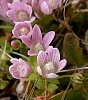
(77, 78)
(15, 44)
(20, 87)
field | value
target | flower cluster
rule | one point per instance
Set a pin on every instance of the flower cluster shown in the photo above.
(48, 58)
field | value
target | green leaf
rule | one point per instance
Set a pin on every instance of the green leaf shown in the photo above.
(33, 63)
(40, 83)
(86, 40)
(3, 84)
(76, 95)
(55, 81)
(32, 77)
(72, 51)
(52, 87)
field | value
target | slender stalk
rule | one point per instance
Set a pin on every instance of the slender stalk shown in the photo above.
(26, 90)
(3, 54)
(45, 89)
(19, 54)
(32, 90)
(6, 54)
(64, 95)
(82, 10)
(69, 70)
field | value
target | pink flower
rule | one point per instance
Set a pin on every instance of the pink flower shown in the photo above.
(3, 10)
(35, 7)
(22, 28)
(19, 11)
(36, 42)
(49, 63)
(47, 6)
(19, 68)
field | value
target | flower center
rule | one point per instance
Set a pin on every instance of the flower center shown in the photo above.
(49, 68)
(38, 47)
(24, 31)
(20, 69)
(22, 15)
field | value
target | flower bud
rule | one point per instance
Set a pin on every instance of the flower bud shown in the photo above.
(77, 78)
(20, 87)
(15, 44)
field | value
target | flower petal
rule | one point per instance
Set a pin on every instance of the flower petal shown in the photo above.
(39, 70)
(51, 75)
(14, 60)
(62, 64)
(53, 55)
(48, 38)
(31, 53)
(45, 8)
(36, 35)
(26, 40)
(41, 58)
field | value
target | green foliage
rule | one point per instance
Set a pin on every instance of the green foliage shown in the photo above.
(86, 40)
(52, 87)
(40, 83)
(55, 81)
(57, 96)
(3, 84)
(72, 51)
(32, 77)
(76, 95)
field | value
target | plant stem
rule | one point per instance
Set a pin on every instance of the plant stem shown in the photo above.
(3, 54)
(6, 54)
(26, 90)
(32, 90)
(64, 95)
(69, 70)
(19, 54)
(45, 89)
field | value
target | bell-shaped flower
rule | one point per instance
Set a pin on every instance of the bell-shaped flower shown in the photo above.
(36, 42)
(19, 68)
(47, 6)
(22, 28)
(20, 11)
(49, 63)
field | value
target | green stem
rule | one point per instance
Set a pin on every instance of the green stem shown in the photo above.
(3, 54)
(19, 54)
(26, 90)
(32, 90)
(45, 89)
(64, 76)
(64, 95)
(69, 70)
(6, 54)
(7, 27)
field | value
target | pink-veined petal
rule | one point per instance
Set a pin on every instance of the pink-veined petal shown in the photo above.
(51, 75)
(39, 70)
(36, 35)
(45, 8)
(41, 58)
(14, 60)
(48, 38)
(53, 55)
(31, 53)
(26, 40)
(62, 64)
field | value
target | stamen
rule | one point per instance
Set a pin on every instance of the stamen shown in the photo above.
(38, 47)
(24, 31)
(22, 15)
